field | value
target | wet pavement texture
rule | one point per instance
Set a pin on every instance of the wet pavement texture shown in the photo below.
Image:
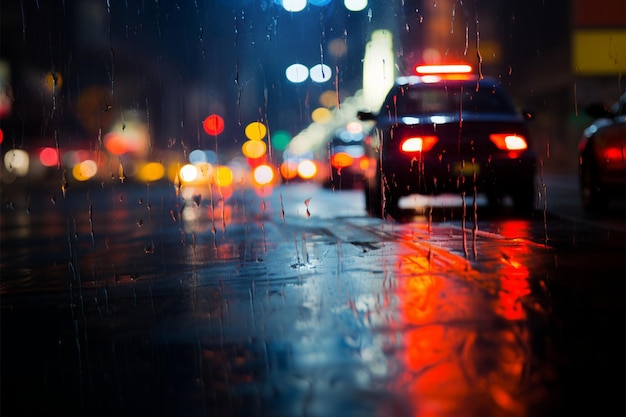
(130, 300)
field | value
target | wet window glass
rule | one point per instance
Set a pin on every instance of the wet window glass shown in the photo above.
(367, 208)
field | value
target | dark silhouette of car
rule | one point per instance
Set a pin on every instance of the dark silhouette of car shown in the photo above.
(446, 130)
(601, 156)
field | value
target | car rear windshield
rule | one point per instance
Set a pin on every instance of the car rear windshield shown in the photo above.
(448, 97)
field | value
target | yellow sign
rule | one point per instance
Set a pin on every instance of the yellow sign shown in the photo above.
(599, 51)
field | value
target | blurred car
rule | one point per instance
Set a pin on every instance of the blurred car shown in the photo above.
(601, 152)
(445, 130)
(348, 162)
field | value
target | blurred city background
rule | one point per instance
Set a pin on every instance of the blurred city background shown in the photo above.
(232, 91)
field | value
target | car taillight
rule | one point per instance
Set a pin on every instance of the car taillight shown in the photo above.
(509, 141)
(341, 160)
(443, 69)
(418, 144)
(435, 73)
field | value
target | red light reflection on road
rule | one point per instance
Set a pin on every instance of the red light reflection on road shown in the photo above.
(513, 274)
(465, 347)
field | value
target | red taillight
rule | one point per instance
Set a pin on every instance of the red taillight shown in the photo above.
(509, 141)
(418, 144)
(341, 160)
(443, 69)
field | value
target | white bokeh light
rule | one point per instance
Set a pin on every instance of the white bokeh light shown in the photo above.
(297, 73)
(294, 5)
(320, 73)
(355, 5)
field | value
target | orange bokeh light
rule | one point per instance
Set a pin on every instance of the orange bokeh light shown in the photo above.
(289, 170)
(116, 144)
(341, 160)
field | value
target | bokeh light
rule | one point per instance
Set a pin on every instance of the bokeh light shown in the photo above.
(254, 148)
(213, 125)
(297, 73)
(255, 131)
(188, 173)
(196, 156)
(128, 136)
(202, 155)
(319, 2)
(294, 5)
(320, 73)
(341, 160)
(85, 170)
(223, 176)
(17, 162)
(289, 169)
(338, 47)
(355, 5)
(49, 157)
(152, 171)
(329, 98)
(263, 174)
(280, 140)
(354, 127)
(307, 169)
(321, 115)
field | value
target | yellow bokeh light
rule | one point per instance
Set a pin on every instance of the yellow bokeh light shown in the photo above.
(254, 148)
(223, 176)
(152, 171)
(85, 170)
(255, 131)
(321, 115)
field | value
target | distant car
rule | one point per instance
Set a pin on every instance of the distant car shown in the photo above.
(348, 162)
(601, 152)
(445, 130)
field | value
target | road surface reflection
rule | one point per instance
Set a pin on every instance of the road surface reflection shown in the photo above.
(467, 345)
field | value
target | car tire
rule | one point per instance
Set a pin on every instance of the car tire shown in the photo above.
(373, 196)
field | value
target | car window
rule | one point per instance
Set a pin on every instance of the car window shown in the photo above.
(424, 99)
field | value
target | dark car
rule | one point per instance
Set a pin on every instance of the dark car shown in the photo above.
(601, 152)
(445, 130)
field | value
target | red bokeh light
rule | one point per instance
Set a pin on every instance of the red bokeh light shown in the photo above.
(213, 124)
(49, 157)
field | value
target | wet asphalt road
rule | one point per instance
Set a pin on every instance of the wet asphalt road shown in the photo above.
(129, 300)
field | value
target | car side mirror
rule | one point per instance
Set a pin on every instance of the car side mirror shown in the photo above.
(365, 116)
